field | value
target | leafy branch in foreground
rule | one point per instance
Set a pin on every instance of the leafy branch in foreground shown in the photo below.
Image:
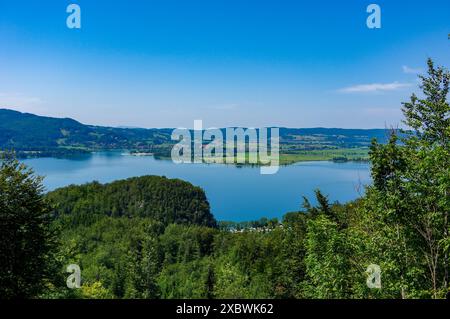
(27, 239)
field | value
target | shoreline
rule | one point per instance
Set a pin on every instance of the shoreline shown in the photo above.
(285, 159)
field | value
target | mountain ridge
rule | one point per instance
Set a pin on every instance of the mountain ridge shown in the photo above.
(34, 135)
(127, 127)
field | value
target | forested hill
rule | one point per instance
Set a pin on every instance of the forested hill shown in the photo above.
(32, 135)
(29, 132)
(159, 198)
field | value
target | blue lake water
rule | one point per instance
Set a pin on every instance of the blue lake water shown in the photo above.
(234, 193)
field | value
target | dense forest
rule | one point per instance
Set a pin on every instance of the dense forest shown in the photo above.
(166, 200)
(152, 237)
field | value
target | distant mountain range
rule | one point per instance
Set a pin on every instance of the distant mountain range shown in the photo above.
(33, 135)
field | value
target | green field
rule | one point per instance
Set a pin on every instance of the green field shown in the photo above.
(344, 154)
(337, 155)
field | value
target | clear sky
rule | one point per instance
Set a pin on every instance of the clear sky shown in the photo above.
(165, 63)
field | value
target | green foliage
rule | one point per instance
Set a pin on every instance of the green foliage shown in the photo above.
(187, 280)
(183, 244)
(327, 260)
(95, 291)
(411, 191)
(166, 200)
(120, 254)
(152, 237)
(27, 239)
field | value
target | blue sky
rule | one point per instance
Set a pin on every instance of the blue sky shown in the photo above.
(166, 63)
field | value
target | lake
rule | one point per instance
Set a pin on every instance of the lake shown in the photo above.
(234, 193)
